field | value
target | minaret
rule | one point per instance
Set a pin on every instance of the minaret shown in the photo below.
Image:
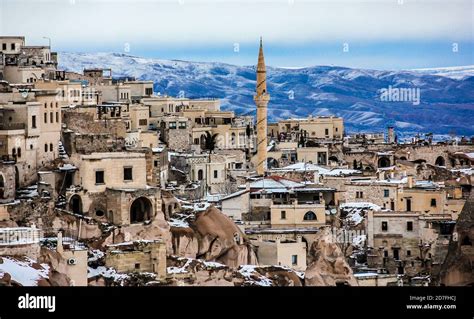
(261, 99)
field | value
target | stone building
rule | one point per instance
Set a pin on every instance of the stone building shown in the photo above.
(138, 256)
(311, 128)
(100, 191)
(280, 252)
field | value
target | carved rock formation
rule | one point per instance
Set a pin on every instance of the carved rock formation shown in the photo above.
(213, 236)
(458, 267)
(328, 266)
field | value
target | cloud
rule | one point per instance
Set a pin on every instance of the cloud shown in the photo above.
(199, 22)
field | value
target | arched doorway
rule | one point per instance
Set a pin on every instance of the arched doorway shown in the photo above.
(75, 204)
(403, 158)
(140, 210)
(440, 161)
(383, 162)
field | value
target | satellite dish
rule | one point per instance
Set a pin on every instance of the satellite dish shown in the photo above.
(24, 94)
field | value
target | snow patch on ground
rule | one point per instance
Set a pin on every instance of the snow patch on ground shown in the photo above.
(23, 272)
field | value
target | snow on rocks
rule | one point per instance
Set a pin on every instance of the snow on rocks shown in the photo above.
(252, 277)
(25, 271)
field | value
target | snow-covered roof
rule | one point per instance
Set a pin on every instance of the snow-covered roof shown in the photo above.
(274, 182)
(301, 167)
(158, 149)
(309, 167)
(366, 205)
(67, 167)
(238, 193)
(341, 172)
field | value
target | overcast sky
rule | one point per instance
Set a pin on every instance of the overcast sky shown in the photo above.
(375, 34)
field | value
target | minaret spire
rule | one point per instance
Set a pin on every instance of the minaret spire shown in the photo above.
(261, 99)
(261, 72)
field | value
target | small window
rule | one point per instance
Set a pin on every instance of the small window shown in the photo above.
(45, 117)
(156, 163)
(326, 131)
(19, 152)
(33, 121)
(99, 177)
(216, 174)
(50, 147)
(283, 214)
(385, 253)
(408, 253)
(4, 46)
(384, 226)
(409, 226)
(51, 117)
(386, 193)
(294, 260)
(45, 147)
(433, 202)
(172, 125)
(137, 266)
(57, 117)
(127, 174)
(142, 122)
(182, 125)
(13, 46)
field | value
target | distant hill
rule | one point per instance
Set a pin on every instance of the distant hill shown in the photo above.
(446, 94)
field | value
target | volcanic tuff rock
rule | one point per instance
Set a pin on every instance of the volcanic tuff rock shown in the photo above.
(458, 268)
(213, 236)
(329, 266)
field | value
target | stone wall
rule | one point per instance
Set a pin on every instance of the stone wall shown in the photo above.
(140, 256)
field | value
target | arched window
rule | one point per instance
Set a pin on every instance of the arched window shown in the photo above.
(200, 175)
(45, 147)
(50, 147)
(19, 152)
(310, 216)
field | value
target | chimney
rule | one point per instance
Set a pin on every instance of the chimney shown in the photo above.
(391, 135)
(316, 177)
(59, 244)
(278, 239)
(259, 238)
(298, 239)
(247, 185)
(380, 175)
(410, 181)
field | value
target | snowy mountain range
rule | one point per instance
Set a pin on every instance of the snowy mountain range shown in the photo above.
(446, 94)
